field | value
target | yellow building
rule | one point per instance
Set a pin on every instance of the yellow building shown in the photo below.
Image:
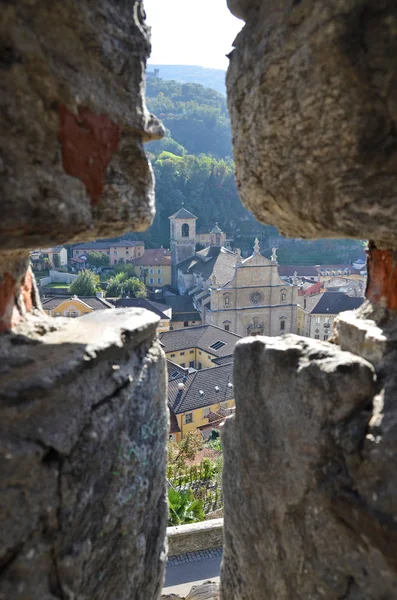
(196, 397)
(121, 252)
(198, 347)
(154, 267)
(74, 306)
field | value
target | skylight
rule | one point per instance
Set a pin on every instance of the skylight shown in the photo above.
(217, 345)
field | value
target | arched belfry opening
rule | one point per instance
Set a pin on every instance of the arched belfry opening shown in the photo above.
(185, 230)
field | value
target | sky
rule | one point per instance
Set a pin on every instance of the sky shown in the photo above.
(191, 32)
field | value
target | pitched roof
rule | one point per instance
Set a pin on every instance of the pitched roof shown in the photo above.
(174, 370)
(103, 245)
(153, 256)
(174, 427)
(91, 301)
(202, 337)
(154, 307)
(201, 388)
(210, 261)
(216, 229)
(182, 213)
(331, 303)
(301, 270)
(183, 308)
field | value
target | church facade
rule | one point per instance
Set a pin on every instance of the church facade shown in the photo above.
(247, 297)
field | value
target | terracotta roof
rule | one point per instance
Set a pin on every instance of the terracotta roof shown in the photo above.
(154, 307)
(202, 388)
(154, 256)
(201, 337)
(91, 301)
(182, 213)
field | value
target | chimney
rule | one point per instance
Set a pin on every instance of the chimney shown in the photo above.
(304, 302)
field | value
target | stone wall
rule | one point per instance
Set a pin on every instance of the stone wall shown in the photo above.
(195, 537)
(310, 452)
(83, 418)
(83, 430)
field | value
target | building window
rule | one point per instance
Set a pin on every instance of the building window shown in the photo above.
(316, 337)
(227, 300)
(115, 252)
(318, 319)
(182, 354)
(325, 337)
(282, 325)
(127, 251)
(151, 271)
(183, 365)
(206, 412)
(186, 323)
(185, 230)
(327, 320)
(227, 327)
(108, 252)
(158, 271)
(200, 352)
(188, 418)
(151, 280)
(191, 364)
(172, 355)
(217, 345)
(200, 366)
(159, 280)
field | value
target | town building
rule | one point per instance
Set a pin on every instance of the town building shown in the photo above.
(121, 252)
(196, 397)
(198, 347)
(57, 255)
(308, 272)
(356, 269)
(161, 310)
(184, 313)
(247, 296)
(153, 267)
(204, 238)
(316, 314)
(74, 306)
(182, 239)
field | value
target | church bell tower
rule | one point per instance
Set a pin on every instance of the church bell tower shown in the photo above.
(182, 239)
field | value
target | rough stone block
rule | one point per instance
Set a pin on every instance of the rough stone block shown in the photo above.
(309, 459)
(312, 95)
(83, 429)
(73, 121)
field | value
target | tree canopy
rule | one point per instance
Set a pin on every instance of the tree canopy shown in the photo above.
(85, 284)
(123, 285)
(97, 259)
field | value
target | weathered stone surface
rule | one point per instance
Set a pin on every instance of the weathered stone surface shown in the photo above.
(312, 94)
(83, 429)
(309, 456)
(206, 591)
(194, 537)
(73, 121)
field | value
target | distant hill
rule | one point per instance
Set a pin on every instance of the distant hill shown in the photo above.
(210, 78)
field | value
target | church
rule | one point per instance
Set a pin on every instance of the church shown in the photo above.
(244, 296)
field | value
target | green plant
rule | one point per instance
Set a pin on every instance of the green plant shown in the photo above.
(208, 468)
(85, 284)
(121, 285)
(97, 259)
(184, 507)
